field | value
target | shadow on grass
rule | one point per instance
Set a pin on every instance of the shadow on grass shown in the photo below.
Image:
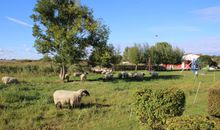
(86, 106)
(116, 79)
(2, 106)
(89, 105)
(164, 77)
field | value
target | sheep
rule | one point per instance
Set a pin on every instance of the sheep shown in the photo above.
(154, 74)
(123, 75)
(139, 76)
(130, 75)
(77, 74)
(9, 80)
(83, 76)
(72, 98)
(108, 76)
(67, 77)
(120, 75)
(96, 70)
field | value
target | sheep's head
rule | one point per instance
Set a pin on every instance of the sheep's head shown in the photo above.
(84, 92)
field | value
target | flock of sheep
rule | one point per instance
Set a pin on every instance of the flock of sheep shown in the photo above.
(73, 98)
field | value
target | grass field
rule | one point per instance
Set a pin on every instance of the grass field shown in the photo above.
(29, 105)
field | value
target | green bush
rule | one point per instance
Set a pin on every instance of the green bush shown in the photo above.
(191, 123)
(154, 107)
(214, 102)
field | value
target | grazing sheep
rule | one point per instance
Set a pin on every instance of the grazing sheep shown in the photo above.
(120, 75)
(108, 76)
(154, 74)
(123, 74)
(9, 80)
(101, 70)
(130, 75)
(139, 76)
(67, 77)
(72, 98)
(77, 74)
(83, 76)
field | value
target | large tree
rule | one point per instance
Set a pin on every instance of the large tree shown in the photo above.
(164, 53)
(65, 30)
(161, 53)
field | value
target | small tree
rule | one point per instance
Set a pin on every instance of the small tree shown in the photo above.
(116, 58)
(134, 56)
(206, 60)
(104, 56)
(144, 52)
(125, 54)
(64, 30)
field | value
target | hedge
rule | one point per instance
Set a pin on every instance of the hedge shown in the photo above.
(154, 107)
(191, 123)
(214, 102)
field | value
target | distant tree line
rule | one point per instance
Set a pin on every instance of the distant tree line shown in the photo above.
(160, 53)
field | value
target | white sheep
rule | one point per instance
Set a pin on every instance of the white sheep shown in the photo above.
(130, 75)
(77, 74)
(67, 77)
(154, 74)
(72, 98)
(8, 80)
(83, 76)
(108, 76)
(139, 76)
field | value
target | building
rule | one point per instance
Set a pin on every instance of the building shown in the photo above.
(187, 60)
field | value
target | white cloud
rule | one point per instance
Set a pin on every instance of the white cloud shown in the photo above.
(173, 28)
(210, 13)
(19, 22)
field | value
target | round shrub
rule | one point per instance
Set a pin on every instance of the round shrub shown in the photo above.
(190, 123)
(214, 102)
(154, 107)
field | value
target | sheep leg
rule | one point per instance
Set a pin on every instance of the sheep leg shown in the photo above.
(70, 107)
(59, 105)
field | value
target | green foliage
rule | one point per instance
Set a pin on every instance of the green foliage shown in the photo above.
(214, 102)
(141, 50)
(105, 55)
(191, 123)
(178, 55)
(125, 54)
(65, 30)
(206, 60)
(116, 58)
(164, 53)
(154, 107)
(32, 67)
(134, 55)
(46, 58)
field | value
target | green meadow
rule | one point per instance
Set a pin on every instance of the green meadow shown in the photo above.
(29, 104)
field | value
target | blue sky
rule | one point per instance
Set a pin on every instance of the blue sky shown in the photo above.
(193, 25)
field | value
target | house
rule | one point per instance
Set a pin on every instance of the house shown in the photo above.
(187, 60)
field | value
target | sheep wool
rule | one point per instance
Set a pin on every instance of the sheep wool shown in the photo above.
(83, 76)
(72, 98)
(8, 80)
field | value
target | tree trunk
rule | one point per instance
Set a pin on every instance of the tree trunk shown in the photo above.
(136, 67)
(62, 72)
